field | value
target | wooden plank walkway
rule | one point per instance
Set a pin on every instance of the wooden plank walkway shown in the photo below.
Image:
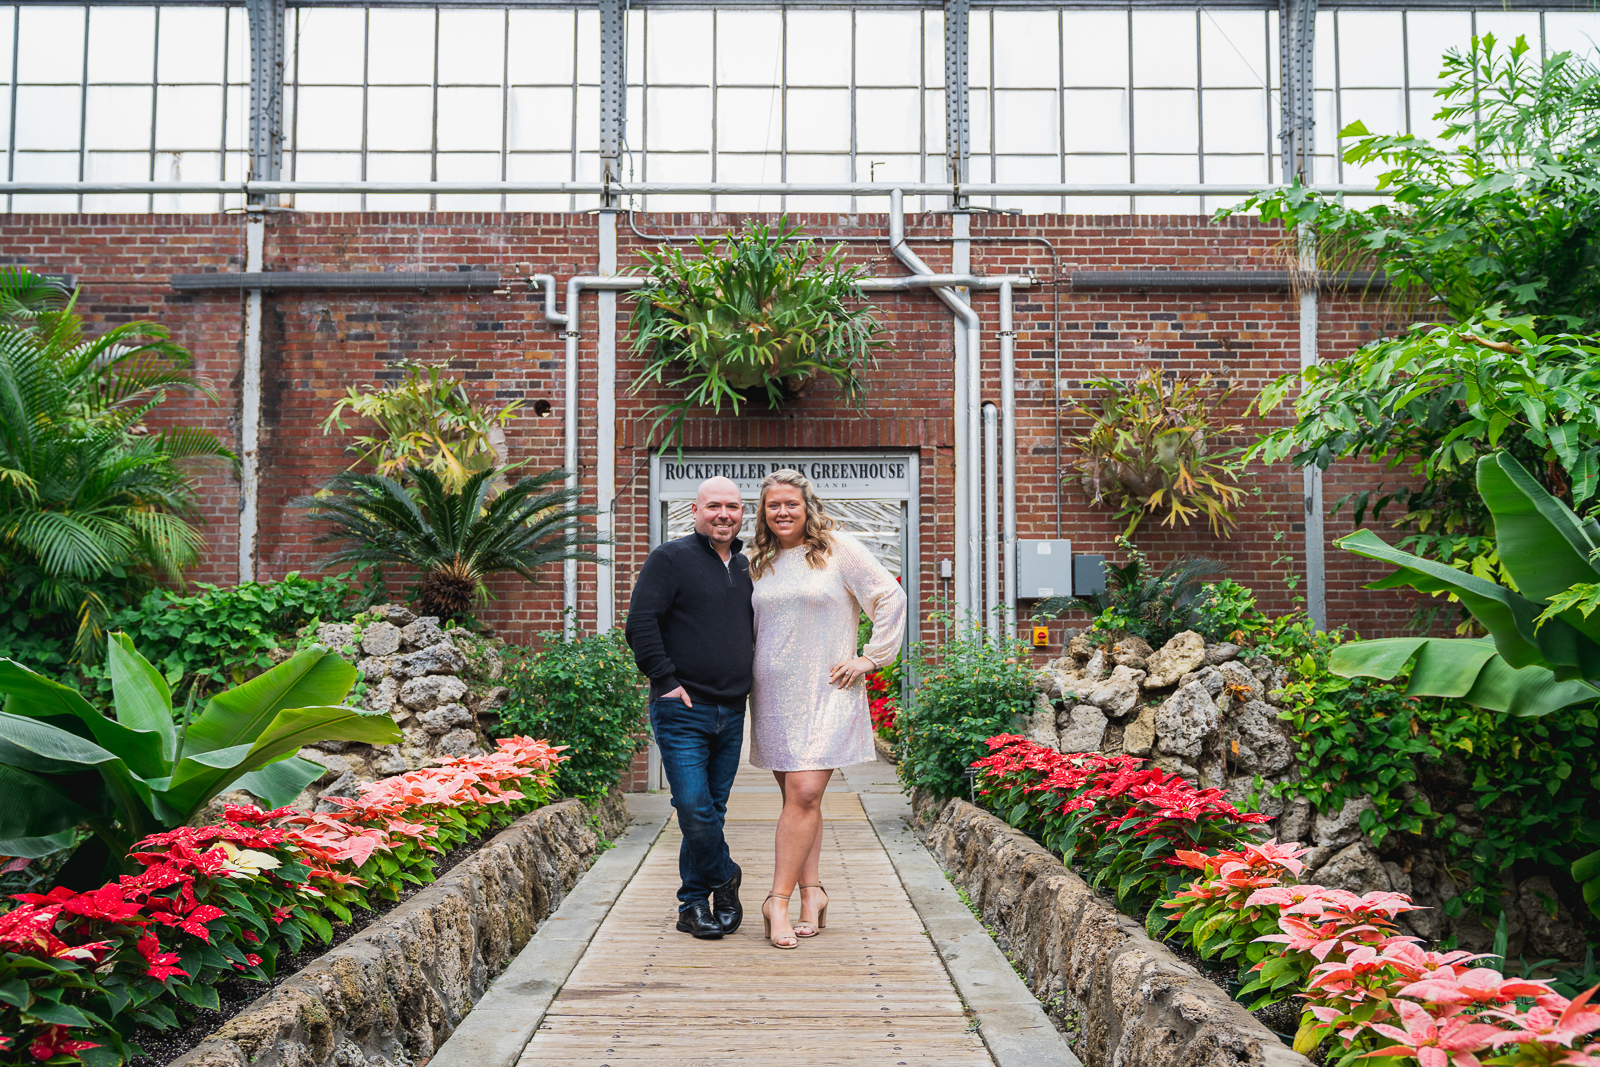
(870, 989)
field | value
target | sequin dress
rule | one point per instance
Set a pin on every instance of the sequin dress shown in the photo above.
(805, 624)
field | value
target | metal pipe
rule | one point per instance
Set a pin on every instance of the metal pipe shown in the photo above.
(569, 432)
(605, 478)
(1008, 456)
(339, 281)
(510, 188)
(965, 514)
(255, 235)
(991, 523)
(1086, 280)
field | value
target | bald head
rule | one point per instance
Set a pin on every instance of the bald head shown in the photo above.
(718, 513)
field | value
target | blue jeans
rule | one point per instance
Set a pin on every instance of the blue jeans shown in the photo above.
(700, 748)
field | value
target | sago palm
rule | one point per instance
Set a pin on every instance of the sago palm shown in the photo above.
(455, 539)
(93, 504)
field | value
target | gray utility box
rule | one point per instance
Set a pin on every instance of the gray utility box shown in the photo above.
(1044, 569)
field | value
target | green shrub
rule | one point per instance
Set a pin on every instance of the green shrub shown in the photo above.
(218, 637)
(971, 689)
(585, 693)
(1226, 611)
(1532, 782)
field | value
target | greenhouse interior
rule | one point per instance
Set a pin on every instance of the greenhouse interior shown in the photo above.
(450, 452)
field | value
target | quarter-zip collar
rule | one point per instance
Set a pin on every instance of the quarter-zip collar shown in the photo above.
(735, 546)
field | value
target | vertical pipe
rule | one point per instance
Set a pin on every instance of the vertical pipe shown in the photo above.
(1316, 566)
(991, 522)
(967, 340)
(569, 453)
(970, 394)
(250, 405)
(606, 432)
(1008, 456)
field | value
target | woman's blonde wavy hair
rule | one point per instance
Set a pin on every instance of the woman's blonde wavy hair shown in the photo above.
(817, 538)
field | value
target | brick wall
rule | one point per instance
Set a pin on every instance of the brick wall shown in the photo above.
(318, 345)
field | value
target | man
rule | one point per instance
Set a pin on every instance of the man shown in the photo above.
(692, 629)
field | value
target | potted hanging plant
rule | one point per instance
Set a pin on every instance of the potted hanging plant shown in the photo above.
(756, 318)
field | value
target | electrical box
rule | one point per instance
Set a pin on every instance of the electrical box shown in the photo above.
(1088, 575)
(1044, 569)
(1041, 637)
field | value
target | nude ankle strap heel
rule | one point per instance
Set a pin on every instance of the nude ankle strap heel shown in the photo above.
(766, 923)
(822, 915)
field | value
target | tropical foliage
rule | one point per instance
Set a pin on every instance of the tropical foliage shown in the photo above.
(454, 538)
(756, 317)
(1154, 448)
(1504, 209)
(585, 688)
(78, 970)
(94, 505)
(64, 763)
(426, 420)
(1543, 651)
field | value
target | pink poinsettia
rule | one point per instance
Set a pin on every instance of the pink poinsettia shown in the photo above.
(1555, 1020)
(1449, 1042)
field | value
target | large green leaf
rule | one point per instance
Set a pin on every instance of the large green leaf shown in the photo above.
(201, 776)
(129, 792)
(278, 783)
(34, 696)
(313, 678)
(143, 699)
(34, 807)
(1542, 544)
(1509, 617)
(1468, 669)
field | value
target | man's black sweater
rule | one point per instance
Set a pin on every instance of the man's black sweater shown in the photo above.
(691, 622)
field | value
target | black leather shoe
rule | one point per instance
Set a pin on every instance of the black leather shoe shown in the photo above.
(729, 912)
(698, 920)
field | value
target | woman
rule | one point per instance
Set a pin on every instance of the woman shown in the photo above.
(808, 703)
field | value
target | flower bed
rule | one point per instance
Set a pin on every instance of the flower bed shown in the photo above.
(1370, 992)
(80, 970)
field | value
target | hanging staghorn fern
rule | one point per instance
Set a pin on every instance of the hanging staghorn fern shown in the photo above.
(752, 320)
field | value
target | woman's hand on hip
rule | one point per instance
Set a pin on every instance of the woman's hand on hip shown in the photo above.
(848, 673)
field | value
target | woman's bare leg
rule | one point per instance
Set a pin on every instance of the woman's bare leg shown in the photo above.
(797, 849)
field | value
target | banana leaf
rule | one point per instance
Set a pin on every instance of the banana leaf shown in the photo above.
(1468, 669)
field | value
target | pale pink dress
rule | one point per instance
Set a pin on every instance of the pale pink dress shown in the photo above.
(805, 624)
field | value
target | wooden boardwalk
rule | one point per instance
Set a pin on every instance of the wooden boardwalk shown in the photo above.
(870, 989)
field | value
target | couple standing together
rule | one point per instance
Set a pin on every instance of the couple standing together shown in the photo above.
(710, 628)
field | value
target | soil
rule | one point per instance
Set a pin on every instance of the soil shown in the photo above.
(1282, 1018)
(236, 994)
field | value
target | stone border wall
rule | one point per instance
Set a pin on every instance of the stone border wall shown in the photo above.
(393, 993)
(1129, 1001)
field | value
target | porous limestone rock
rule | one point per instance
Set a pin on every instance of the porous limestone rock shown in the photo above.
(376, 668)
(458, 743)
(429, 691)
(442, 658)
(380, 698)
(395, 614)
(1042, 722)
(1221, 653)
(1184, 653)
(1186, 721)
(1295, 822)
(1080, 647)
(1256, 745)
(1118, 694)
(1095, 668)
(423, 632)
(1140, 734)
(1355, 868)
(1083, 729)
(1131, 651)
(444, 718)
(1238, 682)
(381, 639)
(1550, 930)
(336, 635)
(1335, 829)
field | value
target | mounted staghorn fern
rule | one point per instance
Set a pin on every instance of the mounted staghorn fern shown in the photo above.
(753, 319)
(1150, 450)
